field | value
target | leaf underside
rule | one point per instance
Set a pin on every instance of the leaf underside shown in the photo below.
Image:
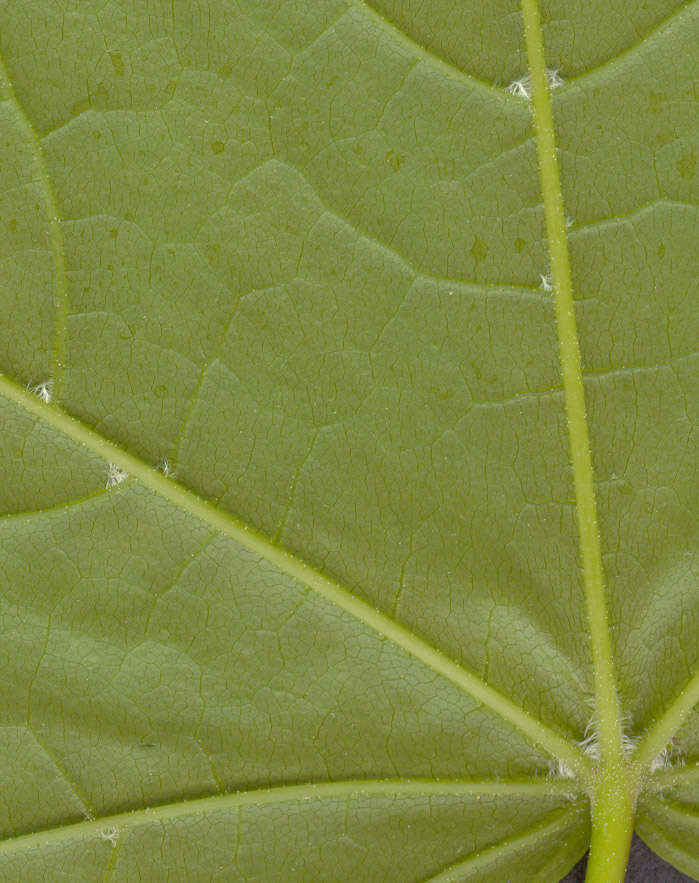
(290, 584)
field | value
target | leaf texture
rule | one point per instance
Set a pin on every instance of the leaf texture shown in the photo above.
(285, 267)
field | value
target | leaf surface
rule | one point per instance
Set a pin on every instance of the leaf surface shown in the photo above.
(285, 267)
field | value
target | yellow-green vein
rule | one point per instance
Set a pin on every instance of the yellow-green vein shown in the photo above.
(342, 790)
(659, 734)
(428, 56)
(674, 846)
(533, 729)
(672, 777)
(607, 711)
(485, 861)
(7, 92)
(613, 799)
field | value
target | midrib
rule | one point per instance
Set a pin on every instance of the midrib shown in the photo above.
(612, 796)
(608, 714)
(606, 698)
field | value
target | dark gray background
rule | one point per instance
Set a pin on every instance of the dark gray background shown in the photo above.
(644, 867)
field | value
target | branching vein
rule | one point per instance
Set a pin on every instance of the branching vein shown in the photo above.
(534, 730)
(606, 711)
(343, 790)
(7, 93)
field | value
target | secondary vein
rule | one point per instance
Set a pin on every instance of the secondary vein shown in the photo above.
(427, 55)
(7, 92)
(557, 823)
(606, 699)
(341, 790)
(659, 734)
(534, 730)
(672, 777)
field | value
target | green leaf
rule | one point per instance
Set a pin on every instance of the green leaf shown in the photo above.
(307, 568)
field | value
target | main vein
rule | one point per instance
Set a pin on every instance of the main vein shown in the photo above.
(533, 729)
(7, 93)
(606, 699)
